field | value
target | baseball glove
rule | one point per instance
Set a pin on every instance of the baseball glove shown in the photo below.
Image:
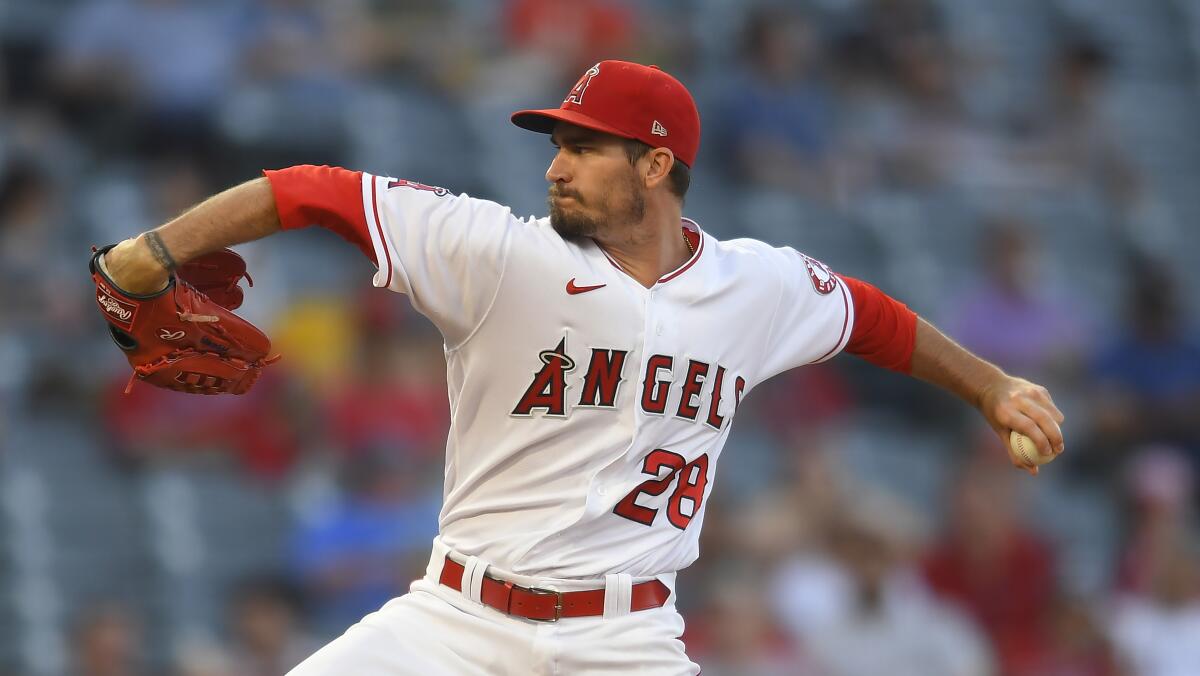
(186, 337)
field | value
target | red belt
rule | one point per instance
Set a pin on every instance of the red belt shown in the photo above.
(547, 605)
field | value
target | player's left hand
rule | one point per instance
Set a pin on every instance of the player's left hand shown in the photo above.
(185, 337)
(1017, 404)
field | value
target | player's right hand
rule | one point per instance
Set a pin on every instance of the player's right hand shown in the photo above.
(1017, 404)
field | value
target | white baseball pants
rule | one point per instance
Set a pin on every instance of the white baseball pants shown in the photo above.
(434, 630)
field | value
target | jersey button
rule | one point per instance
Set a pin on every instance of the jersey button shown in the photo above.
(601, 490)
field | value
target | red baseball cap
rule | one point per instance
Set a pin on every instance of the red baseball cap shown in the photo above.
(627, 100)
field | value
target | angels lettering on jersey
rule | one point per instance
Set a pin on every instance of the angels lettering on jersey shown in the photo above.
(700, 392)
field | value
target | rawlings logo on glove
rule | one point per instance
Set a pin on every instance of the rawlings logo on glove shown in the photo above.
(186, 337)
(114, 307)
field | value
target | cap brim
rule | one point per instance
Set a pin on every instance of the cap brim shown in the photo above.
(542, 121)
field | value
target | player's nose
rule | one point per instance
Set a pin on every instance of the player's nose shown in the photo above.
(559, 170)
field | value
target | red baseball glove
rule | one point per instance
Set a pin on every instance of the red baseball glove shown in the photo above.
(186, 337)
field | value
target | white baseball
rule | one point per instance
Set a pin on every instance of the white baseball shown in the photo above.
(1026, 450)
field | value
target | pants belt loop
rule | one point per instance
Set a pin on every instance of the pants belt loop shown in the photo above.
(508, 587)
(618, 594)
(472, 579)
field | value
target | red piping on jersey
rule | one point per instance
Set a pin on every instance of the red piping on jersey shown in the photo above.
(690, 263)
(845, 323)
(610, 260)
(670, 275)
(379, 229)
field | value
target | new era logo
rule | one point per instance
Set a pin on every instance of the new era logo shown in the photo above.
(658, 129)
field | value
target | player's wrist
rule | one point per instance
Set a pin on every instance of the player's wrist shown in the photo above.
(132, 266)
(993, 384)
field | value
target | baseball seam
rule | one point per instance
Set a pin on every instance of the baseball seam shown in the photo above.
(1024, 452)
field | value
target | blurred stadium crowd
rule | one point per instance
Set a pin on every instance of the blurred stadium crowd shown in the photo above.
(1022, 172)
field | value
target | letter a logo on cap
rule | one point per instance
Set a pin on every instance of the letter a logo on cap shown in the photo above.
(657, 129)
(576, 94)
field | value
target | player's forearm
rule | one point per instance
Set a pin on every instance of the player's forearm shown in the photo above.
(939, 360)
(241, 214)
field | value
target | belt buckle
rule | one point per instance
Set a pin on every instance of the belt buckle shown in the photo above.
(558, 603)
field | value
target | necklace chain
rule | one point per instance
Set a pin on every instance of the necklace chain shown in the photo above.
(688, 242)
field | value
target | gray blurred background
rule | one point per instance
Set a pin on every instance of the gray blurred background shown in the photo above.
(1025, 173)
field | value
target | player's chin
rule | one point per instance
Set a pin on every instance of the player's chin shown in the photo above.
(571, 224)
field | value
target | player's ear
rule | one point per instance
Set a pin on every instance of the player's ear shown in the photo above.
(658, 163)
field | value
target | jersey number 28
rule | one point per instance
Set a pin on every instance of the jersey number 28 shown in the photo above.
(693, 477)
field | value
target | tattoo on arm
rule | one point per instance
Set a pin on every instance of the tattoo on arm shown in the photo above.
(159, 250)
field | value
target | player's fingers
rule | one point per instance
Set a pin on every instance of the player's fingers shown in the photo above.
(1047, 425)
(1013, 458)
(1027, 425)
(1043, 395)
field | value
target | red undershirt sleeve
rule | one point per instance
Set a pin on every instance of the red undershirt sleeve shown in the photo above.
(330, 197)
(885, 330)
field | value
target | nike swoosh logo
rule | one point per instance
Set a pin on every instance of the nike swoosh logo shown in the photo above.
(573, 290)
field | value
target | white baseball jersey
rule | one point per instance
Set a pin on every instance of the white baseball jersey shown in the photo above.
(589, 412)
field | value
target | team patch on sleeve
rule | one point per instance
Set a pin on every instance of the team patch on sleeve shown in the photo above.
(823, 279)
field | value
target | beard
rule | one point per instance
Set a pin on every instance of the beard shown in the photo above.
(615, 206)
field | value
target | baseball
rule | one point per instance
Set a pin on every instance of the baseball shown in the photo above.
(1026, 450)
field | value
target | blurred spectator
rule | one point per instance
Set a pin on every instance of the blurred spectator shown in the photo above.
(576, 34)
(264, 622)
(1009, 315)
(176, 183)
(1078, 644)
(395, 394)
(297, 75)
(860, 611)
(203, 659)
(901, 118)
(1071, 143)
(319, 336)
(30, 208)
(775, 123)
(739, 630)
(106, 641)
(37, 321)
(162, 64)
(1147, 379)
(1160, 489)
(150, 425)
(791, 514)
(296, 42)
(799, 400)
(935, 144)
(894, 23)
(365, 548)
(732, 635)
(1158, 633)
(1000, 572)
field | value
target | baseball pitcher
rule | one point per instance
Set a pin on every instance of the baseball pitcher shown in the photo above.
(595, 361)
